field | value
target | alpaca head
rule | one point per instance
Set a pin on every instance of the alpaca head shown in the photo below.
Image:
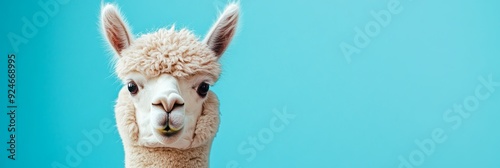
(167, 75)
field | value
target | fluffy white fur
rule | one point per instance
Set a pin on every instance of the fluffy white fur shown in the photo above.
(162, 118)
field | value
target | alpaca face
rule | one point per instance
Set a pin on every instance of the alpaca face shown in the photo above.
(168, 74)
(167, 108)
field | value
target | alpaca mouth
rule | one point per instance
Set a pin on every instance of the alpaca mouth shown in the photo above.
(170, 128)
(167, 131)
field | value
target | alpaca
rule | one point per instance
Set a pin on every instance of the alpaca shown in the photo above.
(165, 113)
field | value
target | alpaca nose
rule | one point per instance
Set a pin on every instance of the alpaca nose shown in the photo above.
(168, 101)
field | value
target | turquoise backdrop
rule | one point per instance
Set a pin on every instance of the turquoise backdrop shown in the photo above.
(341, 83)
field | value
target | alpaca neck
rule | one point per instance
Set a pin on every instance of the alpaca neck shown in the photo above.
(140, 156)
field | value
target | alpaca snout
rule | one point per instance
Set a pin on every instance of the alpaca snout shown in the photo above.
(172, 105)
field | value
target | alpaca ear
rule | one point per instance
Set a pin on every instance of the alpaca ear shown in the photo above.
(223, 30)
(115, 28)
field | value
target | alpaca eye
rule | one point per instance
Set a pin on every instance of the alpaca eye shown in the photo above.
(202, 89)
(132, 88)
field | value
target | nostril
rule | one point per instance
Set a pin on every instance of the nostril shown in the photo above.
(159, 105)
(177, 105)
(158, 102)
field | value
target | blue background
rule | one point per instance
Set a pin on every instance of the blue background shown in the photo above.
(286, 56)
